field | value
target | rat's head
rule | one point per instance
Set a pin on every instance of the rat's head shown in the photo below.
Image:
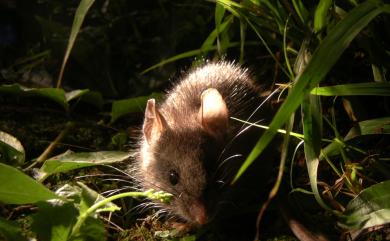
(179, 156)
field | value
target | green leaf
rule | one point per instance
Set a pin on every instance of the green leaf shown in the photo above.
(219, 14)
(69, 161)
(301, 10)
(371, 88)
(272, 8)
(321, 14)
(325, 56)
(10, 231)
(192, 53)
(97, 206)
(379, 126)
(88, 96)
(208, 43)
(132, 105)
(18, 188)
(75, 94)
(92, 230)
(94, 98)
(89, 197)
(312, 129)
(11, 150)
(90, 227)
(370, 208)
(81, 12)
(56, 95)
(54, 222)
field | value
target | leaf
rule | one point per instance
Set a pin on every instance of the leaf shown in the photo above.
(220, 27)
(136, 104)
(83, 198)
(10, 231)
(367, 127)
(219, 14)
(57, 95)
(81, 12)
(18, 188)
(321, 14)
(378, 126)
(94, 98)
(88, 96)
(53, 94)
(187, 54)
(371, 88)
(92, 230)
(87, 226)
(89, 197)
(325, 56)
(370, 208)
(75, 94)
(11, 150)
(69, 161)
(312, 129)
(301, 10)
(54, 222)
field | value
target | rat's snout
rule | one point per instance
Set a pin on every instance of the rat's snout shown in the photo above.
(198, 212)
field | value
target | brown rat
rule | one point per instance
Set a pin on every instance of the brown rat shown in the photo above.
(190, 146)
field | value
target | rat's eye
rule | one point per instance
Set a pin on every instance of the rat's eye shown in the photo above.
(173, 177)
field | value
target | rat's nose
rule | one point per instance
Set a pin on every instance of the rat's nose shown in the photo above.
(198, 212)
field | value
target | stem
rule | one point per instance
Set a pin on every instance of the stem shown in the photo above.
(90, 210)
(52, 145)
(278, 182)
(331, 164)
(149, 194)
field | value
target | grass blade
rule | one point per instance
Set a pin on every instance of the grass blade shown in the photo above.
(208, 43)
(301, 10)
(312, 129)
(330, 50)
(321, 14)
(78, 20)
(188, 54)
(371, 88)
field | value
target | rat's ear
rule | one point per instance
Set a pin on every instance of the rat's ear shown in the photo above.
(213, 113)
(154, 122)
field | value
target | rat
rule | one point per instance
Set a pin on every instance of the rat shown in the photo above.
(190, 147)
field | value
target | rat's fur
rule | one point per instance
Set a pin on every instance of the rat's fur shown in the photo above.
(202, 148)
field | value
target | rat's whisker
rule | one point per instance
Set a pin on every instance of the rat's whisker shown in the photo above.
(117, 180)
(227, 159)
(100, 175)
(114, 191)
(118, 170)
(261, 104)
(230, 143)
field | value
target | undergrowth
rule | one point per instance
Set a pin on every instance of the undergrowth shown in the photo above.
(326, 61)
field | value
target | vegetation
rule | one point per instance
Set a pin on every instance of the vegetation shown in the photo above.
(75, 77)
